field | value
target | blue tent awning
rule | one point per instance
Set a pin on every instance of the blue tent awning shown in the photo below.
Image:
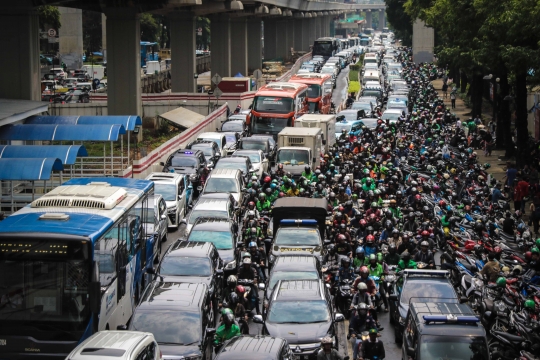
(129, 122)
(66, 153)
(29, 169)
(62, 132)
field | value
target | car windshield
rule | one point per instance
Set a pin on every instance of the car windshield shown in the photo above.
(232, 126)
(228, 164)
(185, 266)
(327, 70)
(169, 327)
(298, 237)
(221, 239)
(273, 104)
(208, 150)
(350, 115)
(253, 145)
(298, 312)
(453, 348)
(314, 91)
(371, 93)
(292, 275)
(415, 289)
(391, 116)
(254, 157)
(195, 214)
(340, 126)
(361, 106)
(221, 185)
(216, 140)
(293, 157)
(168, 191)
(184, 161)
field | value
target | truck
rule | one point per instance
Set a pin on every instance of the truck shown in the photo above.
(327, 123)
(298, 147)
(95, 71)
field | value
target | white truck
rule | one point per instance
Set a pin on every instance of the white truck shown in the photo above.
(95, 71)
(327, 123)
(298, 147)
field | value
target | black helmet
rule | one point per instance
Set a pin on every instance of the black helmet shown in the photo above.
(392, 248)
(406, 257)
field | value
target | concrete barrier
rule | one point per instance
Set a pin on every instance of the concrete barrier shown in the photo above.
(150, 163)
(294, 69)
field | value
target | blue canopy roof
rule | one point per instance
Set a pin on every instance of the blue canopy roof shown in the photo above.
(129, 122)
(29, 169)
(62, 132)
(66, 153)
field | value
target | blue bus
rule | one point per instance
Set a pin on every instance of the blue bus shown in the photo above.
(72, 263)
(149, 52)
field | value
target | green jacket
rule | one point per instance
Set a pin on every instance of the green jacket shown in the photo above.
(396, 212)
(357, 263)
(378, 271)
(444, 221)
(223, 334)
(266, 205)
(311, 176)
(401, 265)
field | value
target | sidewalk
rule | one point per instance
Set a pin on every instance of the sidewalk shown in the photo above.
(498, 168)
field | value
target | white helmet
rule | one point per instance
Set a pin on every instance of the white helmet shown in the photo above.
(362, 286)
(246, 261)
(326, 340)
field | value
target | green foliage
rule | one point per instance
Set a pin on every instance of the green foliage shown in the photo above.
(353, 75)
(203, 41)
(150, 29)
(354, 87)
(399, 20)
(355, 67)
(50, 16)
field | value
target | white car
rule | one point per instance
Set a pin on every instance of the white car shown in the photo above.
(173, 189)
(258, 160)
(218, 138)
(392, 114)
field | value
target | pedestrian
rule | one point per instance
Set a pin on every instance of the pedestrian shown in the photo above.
(445, 90)
(491, 127)
(522, 188)
(453, 95)
(535, 213)
(511, 173)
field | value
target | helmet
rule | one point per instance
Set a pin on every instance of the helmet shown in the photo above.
(425, 233)
(370, 239)
(528, 304)
(326, 340)
(262, 196)
(372, 257)
(501, 282)
(252, 244)
(374, 205)
(518, 268)
(228, 318)
(537, 242)
(362, 308)
(497, 250)
(231, 280)
(246, 261)
(528, 255)
(505, 269)
(359, 250)
(424, 243)
(406, 256)
(364, 270)
(362, 286)
(341, 237)
(240, 289)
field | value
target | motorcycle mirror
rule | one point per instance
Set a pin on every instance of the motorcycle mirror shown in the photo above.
(262, 286)
(210, 331)
(258, 319)
(339, 317)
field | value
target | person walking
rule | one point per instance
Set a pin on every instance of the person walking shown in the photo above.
(445, 90)
(453, 95)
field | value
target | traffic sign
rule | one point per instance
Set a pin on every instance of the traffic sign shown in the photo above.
(257, 74)
(51, 32)
(218, 93)
(216, 79)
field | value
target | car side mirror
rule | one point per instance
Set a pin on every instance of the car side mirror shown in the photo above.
(339, 318)
(121, 327)
(219, 271)
(393, 297)
(179, 197)
(163, 217)
(210, 331)
(262, 286)
(258, 319)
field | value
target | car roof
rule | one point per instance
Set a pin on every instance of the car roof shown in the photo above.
(252, 347)
(296, 263)
(211, 224)
(191, 248)
(420, 309)
(211, 204)
(233, 159)
(113, 340)
(228, 173)
(165, 177)
(190, 152)
(289, 290)
(393, 110)
(210, 135)
(173, 295)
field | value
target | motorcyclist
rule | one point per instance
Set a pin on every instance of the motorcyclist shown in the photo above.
(359, 323)
(327, 352)
(247, 272)
(257, 259)
(370, 247)
(406, 262)
(227, 330)
(360, 258)
(372, 349)
(343, 247)
(392, 258)
(407, 245)
(424, 255)
(346, 271)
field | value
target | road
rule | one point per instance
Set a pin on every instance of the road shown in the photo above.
(342, 85)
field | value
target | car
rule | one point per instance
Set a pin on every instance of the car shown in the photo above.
(234, 125)
(221, 208)
(227, 180)
(392, 114)
(211, 150)
(354, 127)
(293, 267)
(373, 91)
(193, 262)
(236, 163)
(180, 316)
(397, 105)
(443, 331)
(398, 98)
(71, 82)
(331, 71)
(76, 95)
(231, 141)
(255, 347)
(362, 105)
(176, 191)
(370, 123)
(418, 286)
(222, 233)
(258, 142)
(155, 222)
(218, 138)
(117, 344)
(58, 72)
(258, 160)
(187, 162)
(310, 68)
(301, 312)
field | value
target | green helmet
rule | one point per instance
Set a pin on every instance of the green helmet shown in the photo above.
(487, 166)
(538, 243)
(535, 250)
(226, 311)
(354, 196)
(529, 304)
(501, 282)
(366, 171)
(374, 205)
(262, 196)
(428, 140)
(379, 257)
(285, 178)
(372, 257)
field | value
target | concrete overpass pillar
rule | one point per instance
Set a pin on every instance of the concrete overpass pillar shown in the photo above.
(312, 31)
(239, 46)
(290, 36)
(270, 39)
(19, 24)
(254, 52)
(318, 26)
(220, 55)
(382, 23)
(183, 59)
(71, 37)
(298, 34)
(326, 25)
(306, 37)
(423, 41)
(124, 62)
(103, 36)
(369, 22)
(281, 39)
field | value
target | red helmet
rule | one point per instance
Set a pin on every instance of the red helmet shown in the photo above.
(471, 189)
(341, 208)
(370, 239)
(364, 270)
(363, 222)
(442, 204)
(425, 233)
(251, 205)
(528, 255)
(240, 289)
(372, 217)
(267, 179)
(497, 250)
(418, 197)
(341, 237)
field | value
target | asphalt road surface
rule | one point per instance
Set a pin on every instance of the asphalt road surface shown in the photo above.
(342, 85)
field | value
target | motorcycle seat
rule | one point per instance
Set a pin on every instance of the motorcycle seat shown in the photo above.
(509, 337)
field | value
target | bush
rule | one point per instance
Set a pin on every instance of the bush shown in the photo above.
(353, 75)
(354, 87)
(354, 67)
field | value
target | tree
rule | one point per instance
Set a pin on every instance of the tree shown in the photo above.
(150, 29)
(50, 16)
(203, 41)
(399, 20)
(92, 36)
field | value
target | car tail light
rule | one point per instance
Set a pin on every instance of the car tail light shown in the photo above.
(160, 355)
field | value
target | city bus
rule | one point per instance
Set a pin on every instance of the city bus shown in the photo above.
(319, 94)
(72, 264)
(326, 47)
(275, 107)
(149, 52)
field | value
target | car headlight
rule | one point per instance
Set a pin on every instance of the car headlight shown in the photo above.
(231, 265)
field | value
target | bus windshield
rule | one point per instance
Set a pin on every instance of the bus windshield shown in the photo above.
(323, 48)
(314, 91)
(273, 104)
(269, 125)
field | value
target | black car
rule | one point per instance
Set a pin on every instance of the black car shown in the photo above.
(257, 142)
(193, 262)
(186, 161)
(418, 286)
(301, 312)
(222, 233)
(236, 123)
(211, 150)
(255, 347)
(242, 163)
(180, 317)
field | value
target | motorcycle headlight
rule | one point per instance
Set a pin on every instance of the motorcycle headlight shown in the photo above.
(231, 265)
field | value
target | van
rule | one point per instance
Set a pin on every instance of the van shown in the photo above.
(298, 147)
(327, 123)
(95, 71)
(371, 75)
(121, 345)
(153, 67)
